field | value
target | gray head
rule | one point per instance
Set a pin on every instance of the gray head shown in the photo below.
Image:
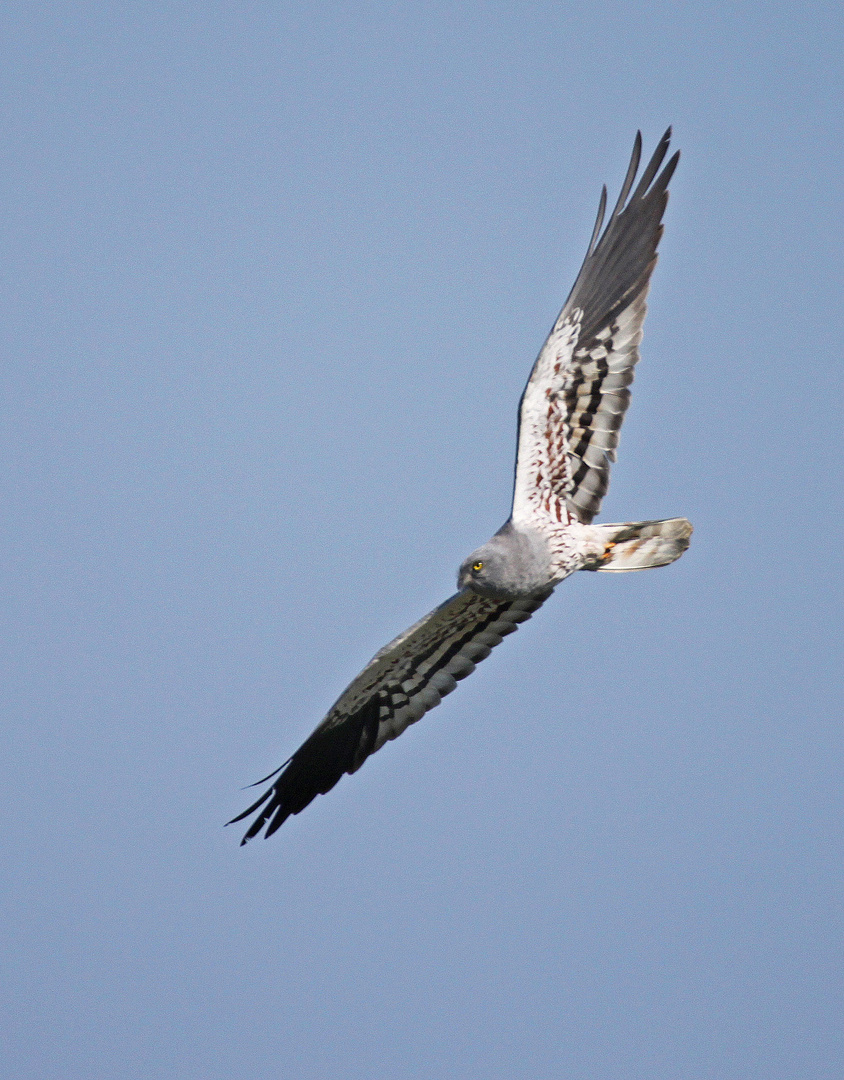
(515, 562)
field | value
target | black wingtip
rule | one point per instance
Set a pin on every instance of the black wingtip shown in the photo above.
(269, 776)
(257, 825)
(281, 815)
(632, 169)
(251, 809)
(651, 168)
(668, 171)
(599, 220)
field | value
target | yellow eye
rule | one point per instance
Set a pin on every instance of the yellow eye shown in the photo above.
(477, 566)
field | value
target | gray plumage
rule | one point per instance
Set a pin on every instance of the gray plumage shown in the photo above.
(569, 419)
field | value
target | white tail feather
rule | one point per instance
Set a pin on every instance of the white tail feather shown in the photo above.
(639, 545)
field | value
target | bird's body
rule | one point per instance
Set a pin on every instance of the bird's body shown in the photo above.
(569, 418)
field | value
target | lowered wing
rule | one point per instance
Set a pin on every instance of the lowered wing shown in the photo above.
(576, 397)
(397, 687)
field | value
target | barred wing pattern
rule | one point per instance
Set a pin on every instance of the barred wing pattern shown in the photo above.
(397, 687)
(574, 403)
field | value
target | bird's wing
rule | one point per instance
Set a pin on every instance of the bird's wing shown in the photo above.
(576, 397)
(396, 688)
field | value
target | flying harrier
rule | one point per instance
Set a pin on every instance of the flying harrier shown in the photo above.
(569, 419)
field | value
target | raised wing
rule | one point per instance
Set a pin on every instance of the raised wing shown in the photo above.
(397, 687)
(576, 397)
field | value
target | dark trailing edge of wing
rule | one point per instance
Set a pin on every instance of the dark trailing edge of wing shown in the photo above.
(431, 658)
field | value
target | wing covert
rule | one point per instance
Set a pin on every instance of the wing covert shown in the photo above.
(397, 687)
(574, 403)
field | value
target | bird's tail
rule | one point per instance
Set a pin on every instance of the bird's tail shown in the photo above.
(639, 545)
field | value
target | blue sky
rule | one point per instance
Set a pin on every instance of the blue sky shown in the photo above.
(274, 278)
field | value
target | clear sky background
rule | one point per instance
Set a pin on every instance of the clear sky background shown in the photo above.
(273, 279)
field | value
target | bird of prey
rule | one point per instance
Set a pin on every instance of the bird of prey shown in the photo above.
(569, 420)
